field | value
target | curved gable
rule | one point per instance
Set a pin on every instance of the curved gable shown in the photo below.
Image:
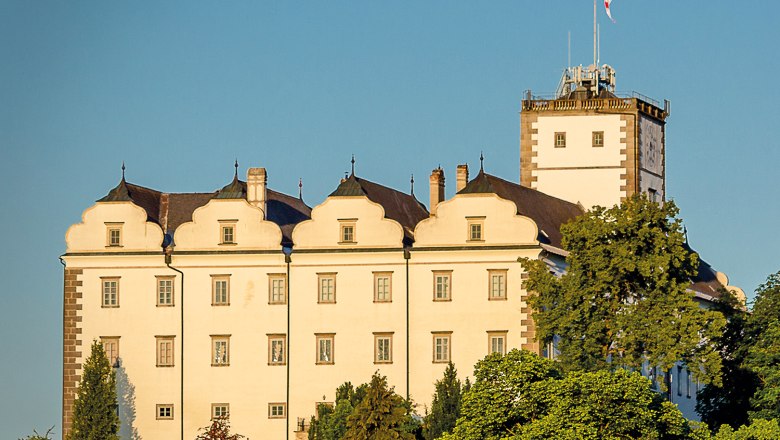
(137, 234)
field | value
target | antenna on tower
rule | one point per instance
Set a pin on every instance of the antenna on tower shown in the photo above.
(569, 59)
(598, 53)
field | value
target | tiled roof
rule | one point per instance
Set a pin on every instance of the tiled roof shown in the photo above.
(548, 212)
(401, 207)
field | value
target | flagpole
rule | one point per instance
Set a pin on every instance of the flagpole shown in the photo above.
(594, 32)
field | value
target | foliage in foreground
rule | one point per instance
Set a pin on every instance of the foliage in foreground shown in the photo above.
(758, 430)
(623, 300)
(94, 412)
(36, 436)
(219, 429)
(445, 408)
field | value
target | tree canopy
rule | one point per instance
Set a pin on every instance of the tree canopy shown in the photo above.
(623, 300)
(219, 429)
(763, 357)
(95, 410)
(445, 408)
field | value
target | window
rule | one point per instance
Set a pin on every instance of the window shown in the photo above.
(165, 412)
(441, 286)
(325, 347)
(227, 231)
(164, 351)
(276, 410)
(220, 350)
(220, 287)
(383, 348)
(277, 349)
(327, 287)
(679, 380)
(165, 291)
(114, 234)
(276, 288)
(652, 194)
(688, 382)
(560, 139)
(497, 342)
(476, 226)
(441, 347)
(497, 284)
(110, 292)
(598, 139)
(383, 286)
(220, 410)
(111, 347)
(347, 231)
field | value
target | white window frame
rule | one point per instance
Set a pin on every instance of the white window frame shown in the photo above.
(221, 300)
(442, 347)
(383, 287)
(383, 347)
(325, 340)
(160, 408)
(559, 141)
(475, 229)
(165, 351)
(220, 350)
(347, 231)
(494, 337)
(274, 339)
(227, 232)
(446, 285)
(112, 353)
(109, 298)
(277, 410)
(220, 410)
(163, 290)
(277, 288)
(322, 296)
(501, 287)
(598, 139)
(112, 227)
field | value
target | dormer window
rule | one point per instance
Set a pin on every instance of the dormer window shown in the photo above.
(560, 139)
(598, 139)
(476, 230)
(114, 234)
(347, 231)
(227, 231)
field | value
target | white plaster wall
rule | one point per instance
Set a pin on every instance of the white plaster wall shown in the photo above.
(579, 151)
(588, 187)
(91, 234)
(251, 231)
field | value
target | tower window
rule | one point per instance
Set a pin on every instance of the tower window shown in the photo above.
(560, 139)
(598, 139)
(347, 231)
(114, 234)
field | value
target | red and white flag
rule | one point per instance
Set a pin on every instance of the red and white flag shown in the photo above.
(609, 14)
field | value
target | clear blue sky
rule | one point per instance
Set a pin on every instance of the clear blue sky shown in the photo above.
(178, 90)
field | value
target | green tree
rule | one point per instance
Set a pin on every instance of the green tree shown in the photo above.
(758, 430)
(729, 403)
(500, 398)
(763, 356)
(95, 410)
(331, 422)
(381, 414)
(445, 408)
(623, 300)
(36, 436)
(219, 429)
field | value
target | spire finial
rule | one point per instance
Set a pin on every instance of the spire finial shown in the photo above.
(236, 165)
(353, 164)
(300, 188)
(123, 170)
(412, 183)
(481, 160)
(685, 233)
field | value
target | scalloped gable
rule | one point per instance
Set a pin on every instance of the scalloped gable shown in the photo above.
(501, 223)
(138, 234)
(251, 231)
(372, 228)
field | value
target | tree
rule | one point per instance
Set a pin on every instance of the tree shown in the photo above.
(219, 429)
(623, 300)
(445, 408)
(36, 436)
(763, 356)
(758, 430)
(95, 410)
(331, 422)
(382, 414)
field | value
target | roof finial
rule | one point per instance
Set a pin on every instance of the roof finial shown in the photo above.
(481, 160)
(300, 188)
(412, 182)
(123, 170)
(236, 165)
(353, 164)
(685, 233)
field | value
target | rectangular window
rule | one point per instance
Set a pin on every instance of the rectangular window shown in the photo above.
(220, 288)
(111, 347)
(110, 292)
(598, 139)
(347, 229)
(164, 351)
(441, 347)
(327, 287)
(165, 412)
(220, 410)
(227, 231)
(688, 382)
(325, 347)
(560, 139)
(165, 291)
(277, 285)
(277, 410)
(497, 284)
(383, 348)
(497, 342)
(383, 286)
(476, 228)
(114, 234)
(441, 286)
(277, 349)
(220, 350)
(679, 380)
(652, 195)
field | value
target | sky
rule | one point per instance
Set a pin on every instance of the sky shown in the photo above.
(179, 90)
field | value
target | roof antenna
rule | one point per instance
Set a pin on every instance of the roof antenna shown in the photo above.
(353, 164)
(481, 159)
(300, 188)
(236, 165)
(123, 170)
(412, 182)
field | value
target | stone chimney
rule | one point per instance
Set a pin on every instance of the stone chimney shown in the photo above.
(462, 177)
(437, 188)
(256, 180)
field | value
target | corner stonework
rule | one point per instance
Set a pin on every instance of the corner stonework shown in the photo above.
(71, 344)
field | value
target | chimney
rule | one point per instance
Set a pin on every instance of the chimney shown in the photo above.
(462, 177)
(437, 188)
(256, 180)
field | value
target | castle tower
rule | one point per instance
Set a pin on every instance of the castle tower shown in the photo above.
(591, 146)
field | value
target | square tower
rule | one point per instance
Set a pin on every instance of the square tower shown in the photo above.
(589, 145)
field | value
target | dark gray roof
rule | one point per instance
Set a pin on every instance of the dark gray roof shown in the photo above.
(548, 212)
(401, 207)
